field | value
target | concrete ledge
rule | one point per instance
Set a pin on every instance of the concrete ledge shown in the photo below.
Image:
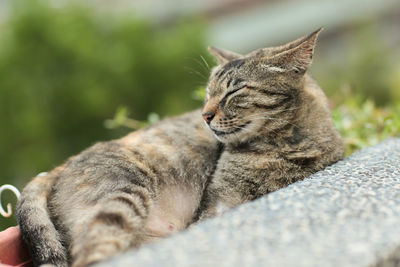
(345, 215)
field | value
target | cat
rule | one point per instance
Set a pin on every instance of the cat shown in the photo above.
(119, 194)
(275, 126)
(273, 120)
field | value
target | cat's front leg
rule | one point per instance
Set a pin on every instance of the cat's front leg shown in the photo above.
(213, 210)
(215, 201)
(216, 208)
(208, 207)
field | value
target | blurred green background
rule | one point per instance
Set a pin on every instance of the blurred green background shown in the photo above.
(72, 74)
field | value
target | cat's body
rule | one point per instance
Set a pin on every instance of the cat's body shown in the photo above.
(273, 119)
(119, 194)
(276, 128)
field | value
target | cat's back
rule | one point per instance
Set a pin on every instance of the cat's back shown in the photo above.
(185, 137)
(175, 150)
(163, 150)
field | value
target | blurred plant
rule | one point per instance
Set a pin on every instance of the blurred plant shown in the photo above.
(121, 119)
(394, 82)
(199, 93)
(363, 124)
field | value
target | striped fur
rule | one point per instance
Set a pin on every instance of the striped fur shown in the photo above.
(273, 119)
(276, 128)
(117, 195)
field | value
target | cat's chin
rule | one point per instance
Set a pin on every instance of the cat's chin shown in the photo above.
(233, 137)
(238, 135)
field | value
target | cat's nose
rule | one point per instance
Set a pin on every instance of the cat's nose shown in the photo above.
(208, 116)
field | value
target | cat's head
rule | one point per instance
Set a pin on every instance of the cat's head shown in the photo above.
(257, 93)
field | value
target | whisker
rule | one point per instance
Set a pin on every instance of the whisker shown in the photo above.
(193, 71)
(242, 128)
(205, 62)
(235, 127)
(203, 66)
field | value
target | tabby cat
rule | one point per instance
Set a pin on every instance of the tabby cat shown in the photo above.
(273, 119)
(119, 194)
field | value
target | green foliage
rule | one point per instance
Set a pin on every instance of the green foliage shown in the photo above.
(121, 119)
(363, 124)
(199, 93)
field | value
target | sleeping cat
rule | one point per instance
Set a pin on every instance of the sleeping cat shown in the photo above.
(276, 126)
(119, 194)
(273, 119)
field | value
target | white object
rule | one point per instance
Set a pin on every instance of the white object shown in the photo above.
(8, 213)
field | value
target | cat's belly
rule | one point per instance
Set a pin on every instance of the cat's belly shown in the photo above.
(171, 212)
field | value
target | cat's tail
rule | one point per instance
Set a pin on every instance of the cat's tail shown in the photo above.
(37, 229)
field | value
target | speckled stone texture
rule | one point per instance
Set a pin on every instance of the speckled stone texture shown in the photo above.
(345, 215)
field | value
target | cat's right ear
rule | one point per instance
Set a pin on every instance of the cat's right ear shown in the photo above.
(223, 56)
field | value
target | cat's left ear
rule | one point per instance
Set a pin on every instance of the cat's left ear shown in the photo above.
(297, 58)
(223, 56)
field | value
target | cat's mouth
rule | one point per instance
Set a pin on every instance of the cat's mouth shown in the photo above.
(236, 130)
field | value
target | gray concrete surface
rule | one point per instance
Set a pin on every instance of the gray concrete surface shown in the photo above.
(345, 215)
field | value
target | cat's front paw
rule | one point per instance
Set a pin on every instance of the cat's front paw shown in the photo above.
(213, 211)
(221, 208)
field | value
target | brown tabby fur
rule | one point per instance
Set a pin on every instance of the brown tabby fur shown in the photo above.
(273, 119)
(119, 194)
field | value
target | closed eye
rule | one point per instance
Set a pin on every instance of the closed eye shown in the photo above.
(223, 100)
(234, 91)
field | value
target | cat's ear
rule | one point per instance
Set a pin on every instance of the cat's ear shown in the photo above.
(223, 56)
(297, 55)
